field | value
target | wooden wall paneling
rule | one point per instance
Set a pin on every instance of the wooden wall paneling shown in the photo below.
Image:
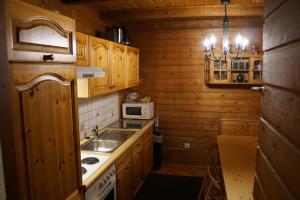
(238, 127)
(275, 147)
(282, 26)
(283, 60)
(281, 109)
(258, 193)
(254, 10)
(171, 70)
(271, 5)
(271, 183)
(279, 155)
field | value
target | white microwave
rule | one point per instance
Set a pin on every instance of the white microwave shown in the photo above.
(138, 110)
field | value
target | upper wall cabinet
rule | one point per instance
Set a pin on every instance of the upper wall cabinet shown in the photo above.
(118, 53)
(119, 62)
(38, 35)
(246, 71)
(99, 54)
(82, 49)
(132, 67)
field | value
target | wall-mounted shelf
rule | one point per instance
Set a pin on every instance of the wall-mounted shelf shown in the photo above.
(246, 72)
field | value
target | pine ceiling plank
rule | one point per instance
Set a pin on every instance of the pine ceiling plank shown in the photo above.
(169, 3)
(123, 4)
(254, 10)
(131, 3)
(159, 3)
(188, 2)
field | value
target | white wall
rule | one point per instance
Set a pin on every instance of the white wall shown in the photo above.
(101, 111)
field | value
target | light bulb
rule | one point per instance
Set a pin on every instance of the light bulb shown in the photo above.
(245, 43)
(213, 41)
(206, 44)
(226, 47)
(238, 41)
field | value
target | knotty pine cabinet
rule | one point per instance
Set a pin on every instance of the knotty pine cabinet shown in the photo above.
(124, 177)
(137, 165)
(147, 153)
(134, 165)
(119, 62)
(45, 138)
(226, 72)
(132, 67)
(37, 35)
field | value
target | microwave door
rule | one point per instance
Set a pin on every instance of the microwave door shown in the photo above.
(136, 111)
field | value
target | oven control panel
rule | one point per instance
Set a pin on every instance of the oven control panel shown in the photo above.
(105, 184)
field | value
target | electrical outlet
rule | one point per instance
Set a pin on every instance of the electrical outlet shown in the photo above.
(187, 145)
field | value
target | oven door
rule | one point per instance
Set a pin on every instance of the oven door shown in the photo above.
(107, 192)
(110, 192)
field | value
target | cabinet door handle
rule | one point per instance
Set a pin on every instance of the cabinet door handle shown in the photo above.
(47, 57)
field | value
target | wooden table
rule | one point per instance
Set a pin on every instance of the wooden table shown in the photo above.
(238, 157)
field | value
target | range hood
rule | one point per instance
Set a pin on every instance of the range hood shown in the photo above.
(89, 72)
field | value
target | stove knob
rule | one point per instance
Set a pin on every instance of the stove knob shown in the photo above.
(100, 185)
(107, 176)
(104, 180)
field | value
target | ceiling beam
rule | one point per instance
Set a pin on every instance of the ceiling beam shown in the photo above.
(82, 1)
(244, 23)
(196, 12)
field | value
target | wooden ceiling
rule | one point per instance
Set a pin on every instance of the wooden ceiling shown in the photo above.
(114, 5)
(125, 11)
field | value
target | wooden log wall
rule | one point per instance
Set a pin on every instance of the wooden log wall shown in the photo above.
(87, 17)
(172, 72)
(278, 158)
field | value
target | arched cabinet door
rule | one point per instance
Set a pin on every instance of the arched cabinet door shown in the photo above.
(99, 49)
(117, 66)
(47, 138)
(39, 35)
(132, 67)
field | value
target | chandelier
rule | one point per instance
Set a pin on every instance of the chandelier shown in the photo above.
(241, 42)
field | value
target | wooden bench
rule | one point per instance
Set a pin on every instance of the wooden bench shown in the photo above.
(238, 157)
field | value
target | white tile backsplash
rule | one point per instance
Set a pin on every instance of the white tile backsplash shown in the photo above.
(101, 111)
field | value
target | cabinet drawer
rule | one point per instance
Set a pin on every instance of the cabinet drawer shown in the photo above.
(123, 160)
(39, 35)
(137, 147)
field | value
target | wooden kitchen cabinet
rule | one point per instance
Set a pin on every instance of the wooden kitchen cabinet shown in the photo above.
(117, 72)
(38, 35)
(46, 132)
(82, 49)
(147, 155)
(119, 62)
(44, 143)
(132, 67)
(124, 178)
(99, 55)
(137, 166)
(227, 72)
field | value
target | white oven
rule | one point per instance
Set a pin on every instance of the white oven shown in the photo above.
(138, 110)
(104, 188)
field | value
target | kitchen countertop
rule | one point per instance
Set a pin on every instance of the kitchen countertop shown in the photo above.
(238, 156)
(114, 155)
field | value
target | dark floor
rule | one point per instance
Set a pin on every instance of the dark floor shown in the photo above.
(169, 187)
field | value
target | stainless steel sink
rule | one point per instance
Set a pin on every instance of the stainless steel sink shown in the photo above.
(107, 141)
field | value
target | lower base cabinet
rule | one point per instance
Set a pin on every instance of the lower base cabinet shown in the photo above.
(124, 183)
(133, 166)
